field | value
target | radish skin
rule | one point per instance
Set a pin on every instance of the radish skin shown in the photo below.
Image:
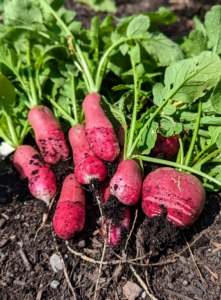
(69, 216)
(48, 134)
(114, 232)
(167, 146)
(87, 165)
(126, 182)
(99, 130)
(182, 195)
(41, 178)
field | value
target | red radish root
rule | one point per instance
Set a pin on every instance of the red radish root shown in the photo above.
(48, 134)
(126, 182)
(87, 165)
(167, 146)
(69, 216)
(99, 130)
(114, 231)
(182, 195)
(41, 178)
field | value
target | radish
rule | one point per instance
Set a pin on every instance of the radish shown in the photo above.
(41, 178)
(182, 195)
(167, 146)
(69, 216)
(99, 130)
(126, 182)
(114, 228)
(87, 165)
(48, 134)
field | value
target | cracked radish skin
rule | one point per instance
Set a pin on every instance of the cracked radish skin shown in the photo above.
(182, 195)
(48, 134)
(87, 165)
(99, 130)
(69, 216)
(126, 182)
(41, 178)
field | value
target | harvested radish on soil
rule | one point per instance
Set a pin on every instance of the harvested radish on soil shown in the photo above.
(87, 165)
(48, 134)
(41, 178)
(166, 146)
(69, 216)
(99, 130)
(126, 182)
(117, 217)
(182, 195)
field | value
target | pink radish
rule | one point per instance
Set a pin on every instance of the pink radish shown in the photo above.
(99, 130)
(126, 182)
(87, 165)
(41, 178)
(114, 231)
(48, 134)
(69, 216)
(167, 146)
(182, 195)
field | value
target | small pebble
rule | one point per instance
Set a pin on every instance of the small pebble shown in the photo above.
(219, 253)
(185, 283)
(132, 290)
(54, 284)
(56, 263)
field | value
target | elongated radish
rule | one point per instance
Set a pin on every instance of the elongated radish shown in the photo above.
(99, 130)
(48, 134)
(41, 178)
(69, 216)
(166, 146)
(114, 227)
(126, 182)
(182, 195)
(87, 165)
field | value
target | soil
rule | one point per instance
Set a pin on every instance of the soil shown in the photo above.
(173, 264)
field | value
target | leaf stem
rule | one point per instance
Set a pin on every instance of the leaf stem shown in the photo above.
(6, 138)
(134, 114)
(62, 111)
(103, 60)
(12, 130)
(207, 158)
(33, 99)
(74, 101)
(179, 166)
(202, 152)
(193, 140)
(82, 60)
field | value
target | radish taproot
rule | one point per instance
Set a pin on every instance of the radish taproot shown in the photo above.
(87, 165)
(69, 216)
(113, 228)
(166, 146)
(99, 130)
(126, 182)
(181, 195)
(41, 179)
(48, 134)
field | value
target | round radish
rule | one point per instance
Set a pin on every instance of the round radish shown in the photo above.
(87, 165)
(48, 134)
(41, 178)
(182, 195)
(126, 182)
(69, 216)
(99, 130)
(167, 146)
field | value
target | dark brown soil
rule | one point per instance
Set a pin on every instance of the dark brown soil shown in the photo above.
(173, 264)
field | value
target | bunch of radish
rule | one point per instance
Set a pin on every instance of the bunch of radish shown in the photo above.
(93, 145)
